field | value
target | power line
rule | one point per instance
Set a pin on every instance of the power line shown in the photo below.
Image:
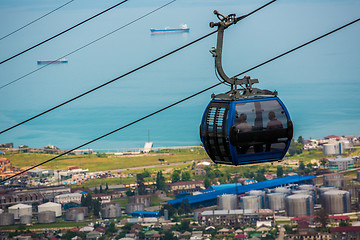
(180, 101)
(111, 81)
(296, 48)
(35, 20)
(140, 119)
(55, 36)
(86, 45)
(132, 71)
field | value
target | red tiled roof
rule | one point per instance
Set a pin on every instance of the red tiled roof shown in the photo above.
(332, 136)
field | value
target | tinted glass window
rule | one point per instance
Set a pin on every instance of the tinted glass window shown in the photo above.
(260, 127)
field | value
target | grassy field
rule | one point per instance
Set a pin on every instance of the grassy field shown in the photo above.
(109, 162)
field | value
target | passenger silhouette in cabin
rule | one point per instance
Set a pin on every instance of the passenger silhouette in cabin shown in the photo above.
(241, 127)
(272, 124)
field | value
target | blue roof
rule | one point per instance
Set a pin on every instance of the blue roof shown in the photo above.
(145, 213)
(211, 194)
(224, 186)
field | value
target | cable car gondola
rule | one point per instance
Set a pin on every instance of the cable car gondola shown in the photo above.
(247, 125)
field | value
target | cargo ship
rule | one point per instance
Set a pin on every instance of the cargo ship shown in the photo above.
(63, 60)
(183, 28)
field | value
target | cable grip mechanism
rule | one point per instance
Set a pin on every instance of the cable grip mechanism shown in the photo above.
(246, 82)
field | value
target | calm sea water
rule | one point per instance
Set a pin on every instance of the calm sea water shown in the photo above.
(319, 84)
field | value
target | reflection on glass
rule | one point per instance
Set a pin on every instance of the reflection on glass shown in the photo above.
(260, 127)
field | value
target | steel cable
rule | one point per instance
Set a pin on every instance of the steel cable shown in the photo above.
(55, 36)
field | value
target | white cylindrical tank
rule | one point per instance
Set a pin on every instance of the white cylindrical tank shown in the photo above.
(260, 194)
(74, 214)
(227, 202)
(329, 149)
(308, 187)
(111, 210)
(26, 219)
(47, 217)
(283, 190)
(50, 206)
(132, 207)
(337, 201)
(7, 219)
(79, 217)
(298, 205)
(275, 201)
(250, 202)
(20, 209)
(300, 192)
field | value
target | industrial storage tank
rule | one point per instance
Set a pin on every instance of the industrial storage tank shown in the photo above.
(283, 190)
(47, 217)
(50, 206)
(111, 210)
(275, 201)
(250, 202)
(227, 202)
(301, 192)
(76, 213)
(26, 219)
(19, 210)
(307, 187)
(298, 205)
(337, 201)
(260, 194)
(132, 207)
(6, 219)
(334, 180)
(329, 149)
(321, 192)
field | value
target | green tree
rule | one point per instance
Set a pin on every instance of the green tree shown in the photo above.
(106, 187)
(300, 140)
(96, 207)
(295, 148)
(101, 189)
(140, 184)
(322, 217)
(279, 171)
(207, 183)
(260, 177)
(185, 176)
(160, 181)
(168, 235)
(175, 176)
(146, 173)
(344, 224)
(87, 202)
(171, 210)
(184, 207)
(185, 226)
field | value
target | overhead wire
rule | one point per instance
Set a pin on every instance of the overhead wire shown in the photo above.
(88, 44)
(132, 71)
(138, 120)
(182, 100)
(107, 83)
(59, 34)
(28, 24)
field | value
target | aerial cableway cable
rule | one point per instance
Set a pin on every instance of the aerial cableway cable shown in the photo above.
(35, 20)
(55, 36)
(180, 101)
(132, 71)
(88, 44)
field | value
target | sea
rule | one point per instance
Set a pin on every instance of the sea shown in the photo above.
(319, 84)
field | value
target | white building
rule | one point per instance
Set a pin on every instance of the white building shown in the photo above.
(20, 210)
(69, 197)
(50, 206)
